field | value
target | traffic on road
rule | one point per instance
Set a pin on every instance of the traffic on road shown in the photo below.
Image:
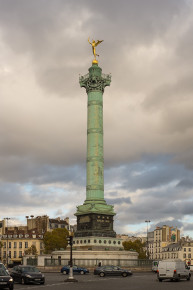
(143, 280)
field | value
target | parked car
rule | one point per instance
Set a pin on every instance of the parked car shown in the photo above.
(173, 270)
(112, 270)
(66, 269)
(27, 274)
(6, 281)
(2, 266)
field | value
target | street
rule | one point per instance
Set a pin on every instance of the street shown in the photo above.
(138, 281)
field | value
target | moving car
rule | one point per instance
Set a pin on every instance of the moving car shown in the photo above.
(6, 281)
(173, 270)
(66, 269)
(27, 274)
(112, 270)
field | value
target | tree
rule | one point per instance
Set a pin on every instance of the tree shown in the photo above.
(137, 246)
(31, 251)
(55, 240)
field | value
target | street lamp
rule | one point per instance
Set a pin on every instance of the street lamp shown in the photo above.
(7, 241)
(70, 278)
(147, 221)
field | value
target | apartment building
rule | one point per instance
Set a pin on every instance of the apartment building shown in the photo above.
(162, 237)
(14, 241)
(180, 250)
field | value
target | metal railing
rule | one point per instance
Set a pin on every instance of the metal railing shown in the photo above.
(32, 261)
(129, 263)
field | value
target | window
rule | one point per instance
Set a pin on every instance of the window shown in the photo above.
(20, 245)
(95, 241)
(9, 245)
(189, 249)
(15, 254)
(15, 245)
(184, 249)
(9, 254)
(4, 245)
(20, 254)
(184, 255)
(26, 245)
(4, 254)
(189, 256)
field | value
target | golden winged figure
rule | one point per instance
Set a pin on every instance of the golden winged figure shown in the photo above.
(94, 44)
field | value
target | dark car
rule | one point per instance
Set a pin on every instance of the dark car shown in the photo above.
(27, 274)
(112, 270)
(76, 269)
(6, 281)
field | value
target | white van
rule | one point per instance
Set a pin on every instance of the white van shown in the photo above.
(173, 270)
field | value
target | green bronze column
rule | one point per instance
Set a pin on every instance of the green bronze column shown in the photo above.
(95, 216)
(95, 160)
(94, 83)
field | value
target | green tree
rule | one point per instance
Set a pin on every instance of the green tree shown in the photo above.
(31, 251)
(55, 240)
(137, 246)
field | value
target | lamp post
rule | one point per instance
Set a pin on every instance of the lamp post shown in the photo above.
(147, 221)
(70, 278)
(7, 219)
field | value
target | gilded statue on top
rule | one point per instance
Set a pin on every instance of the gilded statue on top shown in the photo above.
(94, 44)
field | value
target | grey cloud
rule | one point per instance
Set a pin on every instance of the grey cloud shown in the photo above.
(149, 172)
(28, 171)
(147, 109)
(155, 207)
(188, 227)
(171, 223)
(119, 200)
(186, 183)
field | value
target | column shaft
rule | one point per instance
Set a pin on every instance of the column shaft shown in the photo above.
(95, 161)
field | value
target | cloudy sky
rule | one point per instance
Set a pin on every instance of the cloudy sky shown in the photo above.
(148, 109)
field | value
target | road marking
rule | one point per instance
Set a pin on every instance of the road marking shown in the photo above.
(42, 286)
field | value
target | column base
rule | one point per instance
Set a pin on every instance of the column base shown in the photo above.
(70, 280)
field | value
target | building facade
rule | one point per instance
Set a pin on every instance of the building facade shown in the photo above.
(160, 238)
(180, 250)
(14, 241)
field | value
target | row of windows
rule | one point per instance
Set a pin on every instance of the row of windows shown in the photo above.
(187, 256)
(20, 245)
(189, 249)
(14, 254)
(15, 245)
(95, 241)
(166, 256)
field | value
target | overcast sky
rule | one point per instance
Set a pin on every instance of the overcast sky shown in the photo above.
(148, 109)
